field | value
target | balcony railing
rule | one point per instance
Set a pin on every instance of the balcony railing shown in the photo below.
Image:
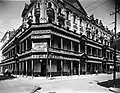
(68, 52)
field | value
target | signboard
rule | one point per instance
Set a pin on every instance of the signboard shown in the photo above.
(41, 47)
(40, 36)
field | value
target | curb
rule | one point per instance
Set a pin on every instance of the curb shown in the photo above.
(116, 90)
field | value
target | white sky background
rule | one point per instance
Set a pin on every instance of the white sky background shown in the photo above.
(10, 12)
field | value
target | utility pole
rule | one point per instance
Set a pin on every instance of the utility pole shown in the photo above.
(114, 71)
(115, 28)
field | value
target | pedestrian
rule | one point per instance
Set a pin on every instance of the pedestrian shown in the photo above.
(96, 71)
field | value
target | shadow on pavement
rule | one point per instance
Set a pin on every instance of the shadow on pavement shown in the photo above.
(109, 83)
(3, 77)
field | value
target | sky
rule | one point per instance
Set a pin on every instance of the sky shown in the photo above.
(10, 12)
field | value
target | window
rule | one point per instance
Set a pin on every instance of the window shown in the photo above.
(74, 19)
(96, 31)
(67, 15)
(59, 10)
(80, 21)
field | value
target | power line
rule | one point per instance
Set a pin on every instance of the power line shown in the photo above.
(92, 4)
(98, 6)
(6, 22)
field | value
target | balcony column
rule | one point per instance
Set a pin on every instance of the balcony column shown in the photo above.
(97, 52)
(71, 45)
(79, 48)
(91, 51)
(72, 19)
(61, 43)
(43, 15)
(85, 48)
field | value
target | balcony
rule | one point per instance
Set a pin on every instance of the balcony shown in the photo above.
(62, 51)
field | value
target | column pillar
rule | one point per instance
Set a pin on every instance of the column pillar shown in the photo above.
(79, 68)
(22, 68)
(79, 48)
(71, 68)
(86, 67)
(50, 68)
(61, 67)
(26, 68)
(32, 67)
(101, 68)
(85, 48)
(91, 50)
(71, 45)
(91, 68)
(61, 43)
(19, 67)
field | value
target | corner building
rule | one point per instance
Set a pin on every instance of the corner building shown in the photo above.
(58, 38)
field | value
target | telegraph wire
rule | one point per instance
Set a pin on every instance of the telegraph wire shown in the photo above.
(92, 4)
(98, 6)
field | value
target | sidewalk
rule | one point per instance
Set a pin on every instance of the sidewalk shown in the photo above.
(61, 77)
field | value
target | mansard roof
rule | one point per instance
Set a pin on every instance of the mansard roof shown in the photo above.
(76, 4)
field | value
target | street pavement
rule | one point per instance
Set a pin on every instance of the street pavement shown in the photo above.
(65, 84)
